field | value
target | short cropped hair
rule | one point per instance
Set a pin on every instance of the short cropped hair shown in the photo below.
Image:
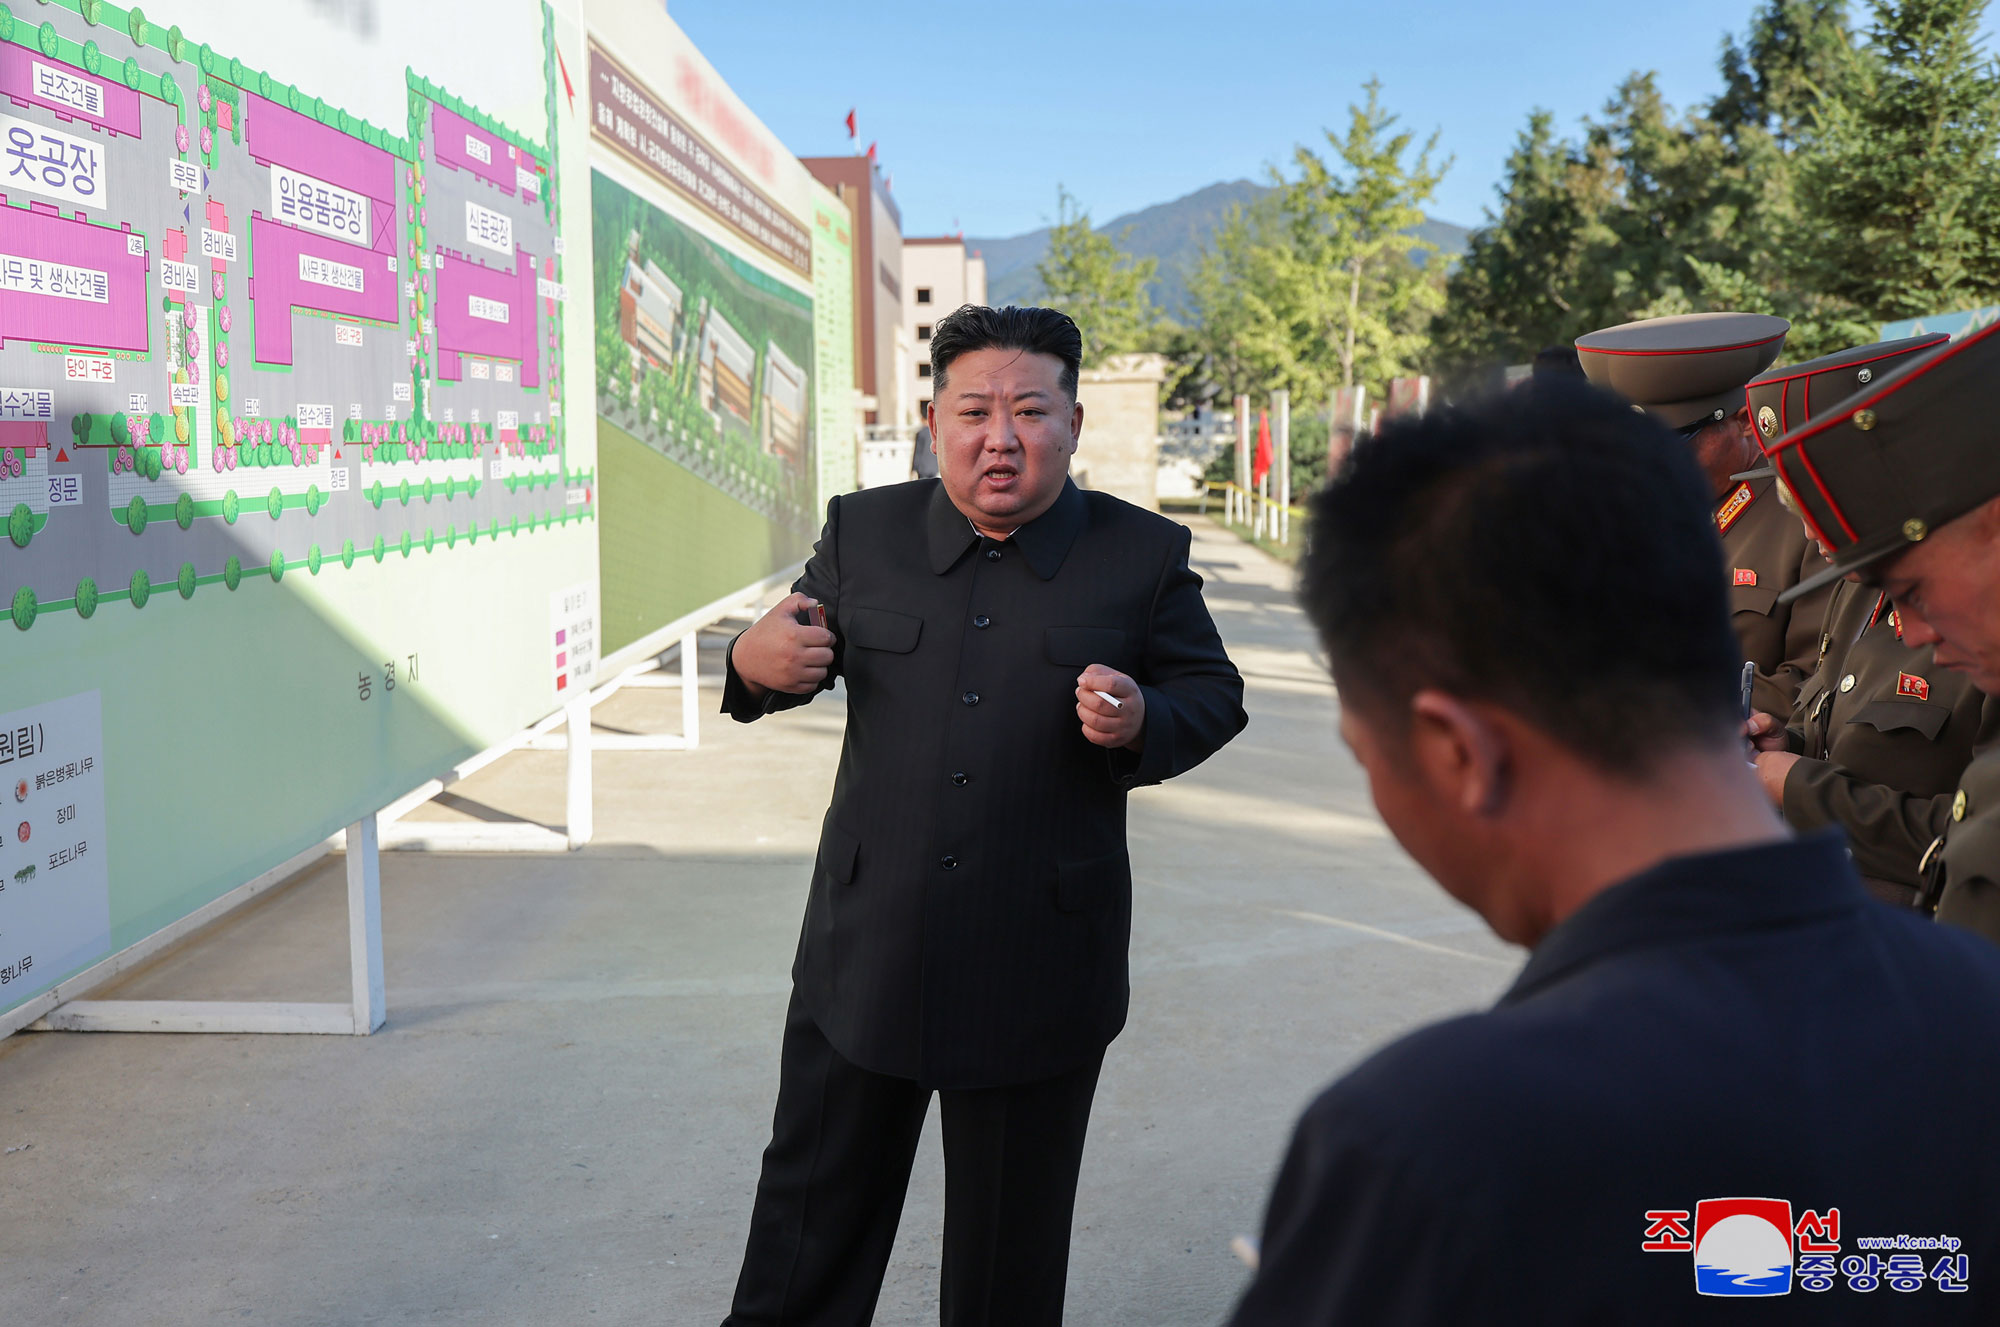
(972, 327)
(1548, 550)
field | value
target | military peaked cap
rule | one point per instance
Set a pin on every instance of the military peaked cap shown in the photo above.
(1687, 370)
(1885, 466)
(1786, 398)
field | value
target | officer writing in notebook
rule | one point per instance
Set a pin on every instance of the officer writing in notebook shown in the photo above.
(1881, 733)
(1902, 479)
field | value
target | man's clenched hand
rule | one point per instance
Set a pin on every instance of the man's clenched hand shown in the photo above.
(1105, 724)
(777, 654)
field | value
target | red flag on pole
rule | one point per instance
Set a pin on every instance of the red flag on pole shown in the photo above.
(1261, 465)
(871, 152)
(850, 124)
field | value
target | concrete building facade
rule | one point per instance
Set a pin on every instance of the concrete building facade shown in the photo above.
(938, 276)
(883, 356)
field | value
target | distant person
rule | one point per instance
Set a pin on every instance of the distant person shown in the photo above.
(1902, 478)
(1689, 372)
(1718, 1038)
(923, 460)
(1019, 655)
(1558, 361)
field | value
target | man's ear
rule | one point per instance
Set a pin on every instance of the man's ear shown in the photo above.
(1461, 753)
(1075, 425)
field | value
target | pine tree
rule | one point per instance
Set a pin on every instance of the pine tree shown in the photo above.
(1796, 54)
(1088, 276)
(1528, 277)
(1898, 191)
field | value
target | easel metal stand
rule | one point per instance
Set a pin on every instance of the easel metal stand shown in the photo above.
(359, 1017)
(364, 842)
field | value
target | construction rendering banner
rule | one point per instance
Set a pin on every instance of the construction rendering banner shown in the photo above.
(710, 351)
(293, 500)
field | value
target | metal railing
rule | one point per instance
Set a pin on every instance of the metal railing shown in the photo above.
(1254, 511)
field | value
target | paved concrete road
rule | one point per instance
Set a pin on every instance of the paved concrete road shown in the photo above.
(562, 1120)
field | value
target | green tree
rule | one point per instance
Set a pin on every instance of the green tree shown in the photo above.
(1898, 189)
(1317, 284)
(1237, 291)
(1532, 276)
(1090, 277)
(1351, 262)
(1795, 53)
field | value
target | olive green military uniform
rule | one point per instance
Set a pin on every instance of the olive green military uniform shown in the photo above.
(1884, 734)
(1964, 871)
(1689, 373)
(1766, 552)
(1876, 473)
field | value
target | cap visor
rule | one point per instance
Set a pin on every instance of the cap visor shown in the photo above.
(1837, 570)
(1761, 472)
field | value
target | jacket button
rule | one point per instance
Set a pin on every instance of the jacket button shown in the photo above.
(1847, 683)
(949, 863)
(992, 555)
(982, 621)
(970, 698)
(959, 780)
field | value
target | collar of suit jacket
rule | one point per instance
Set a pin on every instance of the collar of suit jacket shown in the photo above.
(1044, 541)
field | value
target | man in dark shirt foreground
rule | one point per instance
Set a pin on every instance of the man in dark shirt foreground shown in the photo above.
(1721, 1069)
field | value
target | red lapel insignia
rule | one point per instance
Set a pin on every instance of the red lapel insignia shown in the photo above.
(1909, 684)
(1732, 507)
(1896, 621)
(1745, 576)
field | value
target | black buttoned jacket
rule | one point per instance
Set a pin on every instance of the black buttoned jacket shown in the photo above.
(971, 904)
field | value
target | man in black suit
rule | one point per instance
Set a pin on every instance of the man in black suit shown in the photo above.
(1724, 1069)
(1019, 655)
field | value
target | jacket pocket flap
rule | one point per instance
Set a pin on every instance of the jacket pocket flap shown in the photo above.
(1752, 599)
(1088, 882)
(838, 850)
(1080, 647)
(880, 629)
(1890, 715)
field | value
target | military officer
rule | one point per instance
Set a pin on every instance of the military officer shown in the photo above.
(1689, 372)
(1901, 482)
(1880, 734)
(1876, 745)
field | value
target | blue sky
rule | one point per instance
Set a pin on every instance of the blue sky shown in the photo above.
(981, 110)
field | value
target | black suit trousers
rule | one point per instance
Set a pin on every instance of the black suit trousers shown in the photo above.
(831, 1193)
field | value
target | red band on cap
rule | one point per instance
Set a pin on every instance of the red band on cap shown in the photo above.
(1691, 350)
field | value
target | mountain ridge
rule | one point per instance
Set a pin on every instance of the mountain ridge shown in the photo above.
(1174, 232)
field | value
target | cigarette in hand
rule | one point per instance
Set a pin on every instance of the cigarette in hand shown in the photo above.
(1116, 703)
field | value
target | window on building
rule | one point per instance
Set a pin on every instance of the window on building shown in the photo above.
(923, 294)
(923, 370)
(923, 331)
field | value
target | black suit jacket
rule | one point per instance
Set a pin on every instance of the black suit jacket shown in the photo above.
(1740, 1024)
(971, 905)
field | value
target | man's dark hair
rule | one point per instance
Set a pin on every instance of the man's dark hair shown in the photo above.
(972, 327)
(1548, 550)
